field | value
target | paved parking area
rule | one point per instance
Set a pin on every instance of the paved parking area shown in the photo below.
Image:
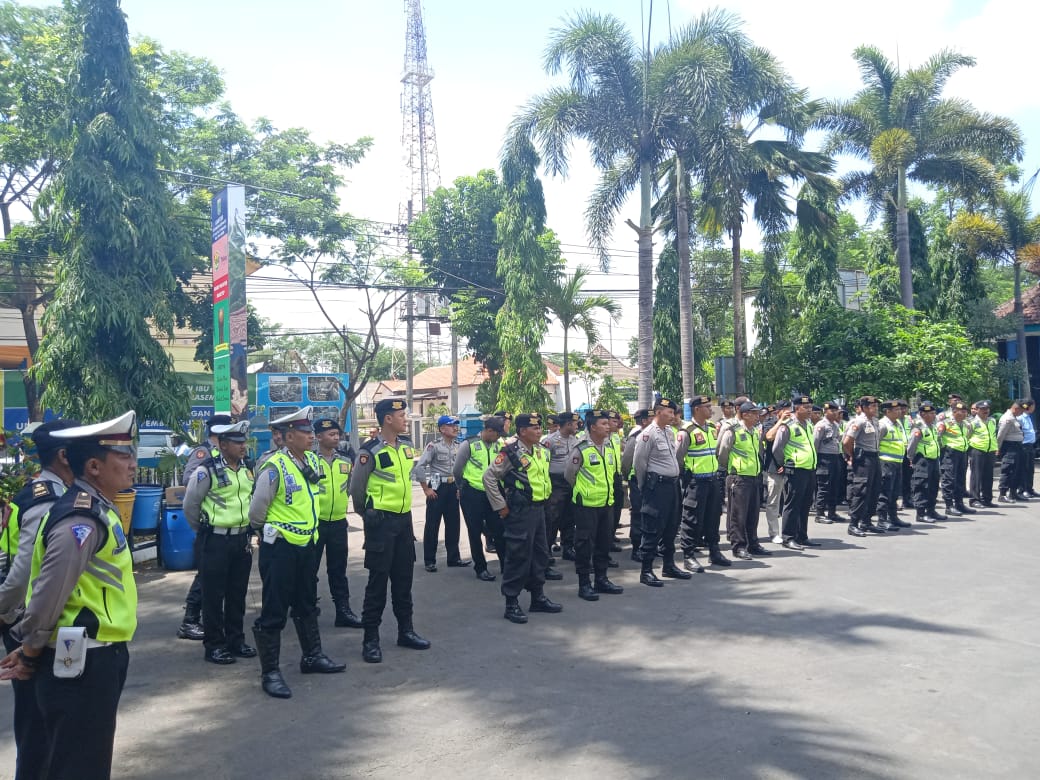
(908, 655)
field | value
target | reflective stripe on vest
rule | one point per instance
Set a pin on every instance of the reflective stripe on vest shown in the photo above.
(954, 436)
(743, 457)
(333, 498)
(983, 435)
(227, 506)
(799, 449)
(532, 476)
(294, 509)
(594, 482)
(700, 455)
(892, 446)
(928, 446)
(389, 487)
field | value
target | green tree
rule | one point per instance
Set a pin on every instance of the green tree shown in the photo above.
(116, 278)
(575, 310)
(900, 123)
(668, 380)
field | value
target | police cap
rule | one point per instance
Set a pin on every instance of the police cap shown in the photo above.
(388, 406)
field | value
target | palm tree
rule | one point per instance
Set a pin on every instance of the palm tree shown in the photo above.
(574, 311)
(617, 102)
(901, 125)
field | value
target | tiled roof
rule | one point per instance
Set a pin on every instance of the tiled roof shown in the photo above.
(1030, 306)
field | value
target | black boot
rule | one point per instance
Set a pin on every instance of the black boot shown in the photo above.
(191, 627)
(370, 651)
(922, 517)
(345, 617)
(953, 511)
(603, 585)
(935, 515)
(647, 576)
(854, 530)
(406, 637)
(268, 645)
(716, 557)
(314, 661)
(542, 603)
(964, 510)
(585, 590)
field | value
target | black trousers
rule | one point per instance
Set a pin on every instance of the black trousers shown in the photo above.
(477, 512)
(593, 535)
(635, 514)
(866, 485)
(30, 732)
(446, 505)
(1010, 465)
(559, 513)
(619, 500)
(389, 558)
(701, 510)
(906, 476)
(527, 551)
(287, 577)
(660, 505)
(890, 491)
(332, 543)
(953, 472)
(925, 484)
(829, 469)
(79, 714)
(743, 495)
(193, 601)
(1025, 476)
(981, 475)
(795, 503)
(224, 569)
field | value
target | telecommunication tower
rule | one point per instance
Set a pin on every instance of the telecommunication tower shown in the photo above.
(418, 134)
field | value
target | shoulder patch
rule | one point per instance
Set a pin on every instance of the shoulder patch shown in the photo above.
(344, 468)
(646, 437)
(83, 501)
(81, 531)
(200, 454)
(201, 473)
(429, 447)
(576, 459)
(41, 489)
(272, 476)
(363, 458)
(500, 459)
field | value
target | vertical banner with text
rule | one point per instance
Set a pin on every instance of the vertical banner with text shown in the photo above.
(230, 389)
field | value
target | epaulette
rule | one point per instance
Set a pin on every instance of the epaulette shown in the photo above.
(75, 502)
(36, 492)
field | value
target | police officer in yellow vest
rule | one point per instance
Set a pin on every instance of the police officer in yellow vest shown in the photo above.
(590, 471)
(521, 470)
(81, 606)
(332, 519)
(794, 447)
(738, 454)
(285, 509)
(381, 490)
(474, 456)
(923, 452)
(702, 498)
(27, 509)
(892, 443)
(953, 433)
(982, 454)
(216, 505)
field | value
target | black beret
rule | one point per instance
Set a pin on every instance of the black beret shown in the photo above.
(664, 403)
(326, 424)
(388, 406)
(596, 414)
(533, 420)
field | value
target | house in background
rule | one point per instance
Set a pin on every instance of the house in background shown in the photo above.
(1007, 348)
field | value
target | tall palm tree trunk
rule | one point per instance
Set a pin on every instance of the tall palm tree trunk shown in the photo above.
(566, 373)
(906, 275)
(1020, 334)
(738, 314)
(646, 288)
(682, 229)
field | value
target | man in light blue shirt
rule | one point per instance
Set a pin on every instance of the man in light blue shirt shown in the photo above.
(1025, 480)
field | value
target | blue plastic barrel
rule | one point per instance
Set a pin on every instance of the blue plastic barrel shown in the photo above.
(146, 508)
(176, 541)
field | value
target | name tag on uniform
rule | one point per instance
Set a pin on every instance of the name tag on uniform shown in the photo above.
(594, 460)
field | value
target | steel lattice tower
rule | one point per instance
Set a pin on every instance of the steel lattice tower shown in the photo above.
(418, 136)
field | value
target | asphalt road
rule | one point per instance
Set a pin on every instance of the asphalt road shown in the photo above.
(909, 655)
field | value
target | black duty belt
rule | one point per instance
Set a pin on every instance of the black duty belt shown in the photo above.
(652, 477)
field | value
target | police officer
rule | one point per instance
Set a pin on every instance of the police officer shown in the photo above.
(216, 505)
(521, 470)
(861, 454)
(953, 459)
(892, 444)
(827, 440)
(381, 491)
(635, 528)
(277, 442)
(656, 466)
(1028, 448)
(474, 456)
(702, 496)
(793, 447)
(559, 512)
(982, 452)
(619, 481)
(81, 587)
(206, 454)
(1009, 446)
(28, 507)
(332, 519)
(739, 458)
(285, 508)
(434, 472)
(591, 471)
(923, 451)
(774, 475)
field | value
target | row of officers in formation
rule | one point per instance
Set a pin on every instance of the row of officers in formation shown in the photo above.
(68, 603)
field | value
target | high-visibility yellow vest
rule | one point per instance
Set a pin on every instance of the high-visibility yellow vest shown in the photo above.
(294, 510)
(37, 492)
(530, 474)
(954, 435)
(104, 599)
(333, 499)
(480, 455)
(700, 455)
(800, 450)
(928, 446)
(389, 487)
(594, 482)
(227, 506)
(743, 457)
(892, 446)
(983, 435)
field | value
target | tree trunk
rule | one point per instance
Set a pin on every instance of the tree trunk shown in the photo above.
(906, 275)
(682, 228)
(738, 314)
(566, 374)
(1020, 335)
(646, 289)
